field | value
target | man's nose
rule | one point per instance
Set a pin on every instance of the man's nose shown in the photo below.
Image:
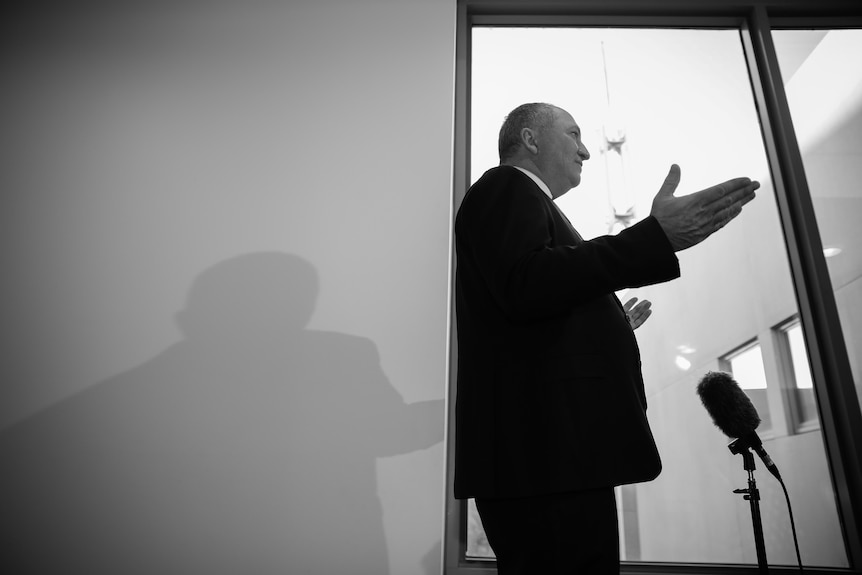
(583, 152)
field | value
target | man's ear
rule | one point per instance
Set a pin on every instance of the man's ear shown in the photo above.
(528, 139)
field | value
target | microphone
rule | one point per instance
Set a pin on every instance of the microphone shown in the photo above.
(733, 413)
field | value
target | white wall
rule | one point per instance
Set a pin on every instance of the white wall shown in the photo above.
(299, 153)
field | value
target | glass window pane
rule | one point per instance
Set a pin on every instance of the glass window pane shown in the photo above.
(799, 357)
(477, 542)
(823, 81)
(645, 99)
(802, 387)
(747, 368)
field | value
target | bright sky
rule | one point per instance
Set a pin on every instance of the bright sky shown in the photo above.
(682, 96)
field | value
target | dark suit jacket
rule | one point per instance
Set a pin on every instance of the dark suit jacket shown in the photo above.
(550, 393)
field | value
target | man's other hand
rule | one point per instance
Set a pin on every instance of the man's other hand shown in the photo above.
(688, 220)
(637, 314)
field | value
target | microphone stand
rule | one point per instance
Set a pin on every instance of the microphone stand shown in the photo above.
(752, 495)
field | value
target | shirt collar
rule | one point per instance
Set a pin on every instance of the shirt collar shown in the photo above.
(542, 185)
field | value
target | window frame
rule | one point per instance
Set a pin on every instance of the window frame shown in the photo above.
(840, 417)
(796, 423)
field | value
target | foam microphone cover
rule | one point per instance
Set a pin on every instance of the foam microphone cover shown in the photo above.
(731, 410)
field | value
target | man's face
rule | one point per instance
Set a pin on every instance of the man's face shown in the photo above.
(561, 153)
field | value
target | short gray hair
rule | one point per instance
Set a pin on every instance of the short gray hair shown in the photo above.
(536, 116)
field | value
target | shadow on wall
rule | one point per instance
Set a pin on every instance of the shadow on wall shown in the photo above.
(248, 447)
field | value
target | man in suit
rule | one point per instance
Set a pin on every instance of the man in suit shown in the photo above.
(551, 409)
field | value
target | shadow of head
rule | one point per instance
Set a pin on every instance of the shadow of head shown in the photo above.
(257, 295)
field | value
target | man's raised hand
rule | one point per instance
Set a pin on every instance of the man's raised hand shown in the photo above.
(688, 220)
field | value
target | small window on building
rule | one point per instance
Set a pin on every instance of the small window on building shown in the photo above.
(746, 365)
(801, 387)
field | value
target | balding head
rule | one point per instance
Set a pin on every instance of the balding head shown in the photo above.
(536, 116)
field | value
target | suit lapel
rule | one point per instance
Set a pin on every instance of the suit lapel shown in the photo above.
(561, 217)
